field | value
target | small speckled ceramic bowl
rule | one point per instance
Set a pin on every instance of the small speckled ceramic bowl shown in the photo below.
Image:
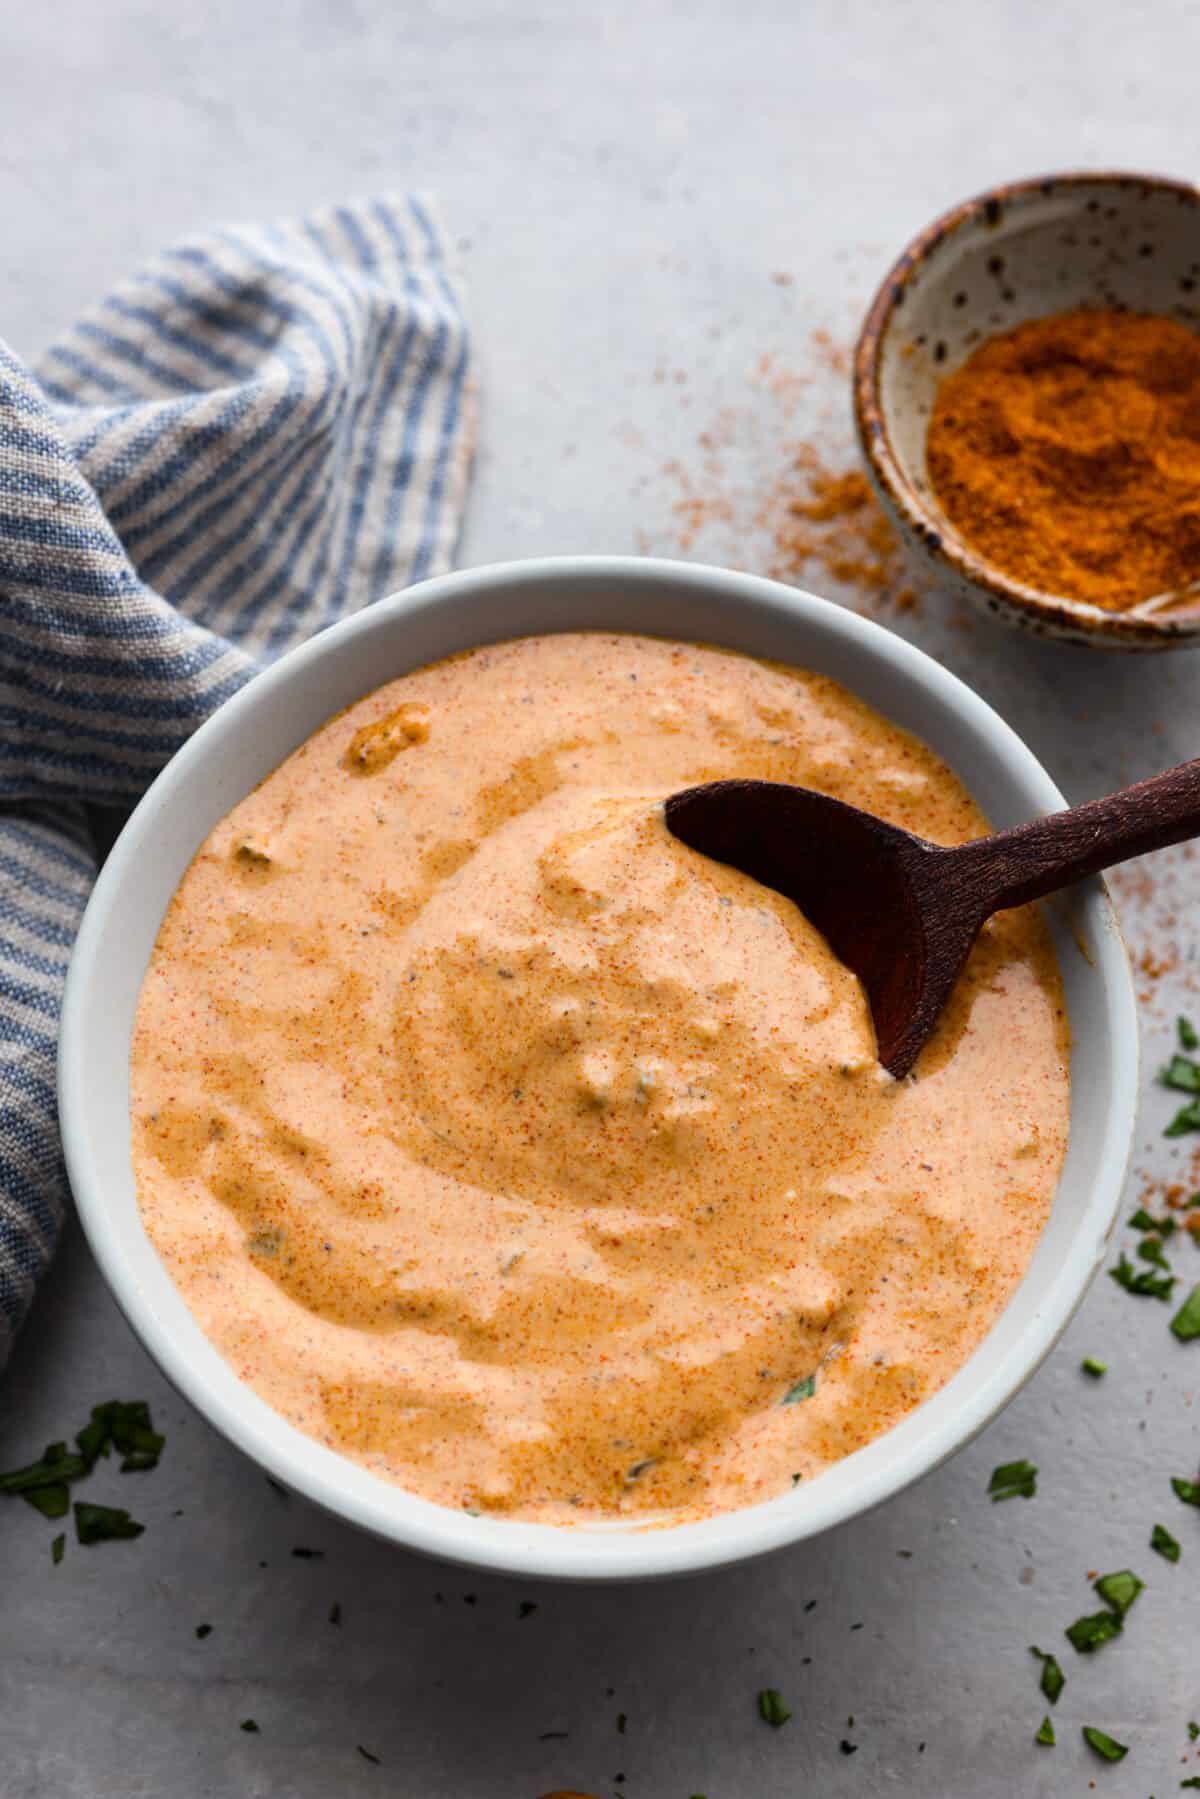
(1016, 253)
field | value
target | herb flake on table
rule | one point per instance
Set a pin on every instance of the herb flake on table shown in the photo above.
(772, 1709)
(1187, 1490)
(53, 1468)
(249, 1726)
(1164, 1543)
(1013, 1480)
(1193, 1730)
(1186, 1119)
(1188, 1036)
(1053, 1679)
(1119, 1590)
(1088, 1633)
(1186, 1322)
(203, 1630)
(52, 1502)
(1105, 1746)
(1193, 1782)
(1181, 1074)
(45, 1484)
(1091, 1366)
(1142, 1220)
(104, 1523)
(1046, 1733)
(375, 1760)
(57, 1548)
(1142, 1282)
(123, 1425)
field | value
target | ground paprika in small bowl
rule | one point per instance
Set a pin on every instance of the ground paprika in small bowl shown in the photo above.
(1027, 397)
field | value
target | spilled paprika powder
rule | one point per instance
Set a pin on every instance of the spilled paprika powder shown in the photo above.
(1067, 452)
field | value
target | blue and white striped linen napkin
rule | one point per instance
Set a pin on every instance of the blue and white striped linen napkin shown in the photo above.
(266, 429)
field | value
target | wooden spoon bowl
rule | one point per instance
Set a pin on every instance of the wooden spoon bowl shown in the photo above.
(900, 912)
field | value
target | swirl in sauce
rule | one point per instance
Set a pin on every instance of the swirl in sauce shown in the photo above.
(509, 1147)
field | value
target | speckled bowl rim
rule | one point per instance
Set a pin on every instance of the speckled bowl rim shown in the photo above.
(1078, 617)
(268, 718)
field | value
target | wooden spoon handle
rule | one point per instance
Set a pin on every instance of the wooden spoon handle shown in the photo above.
(1048, 853)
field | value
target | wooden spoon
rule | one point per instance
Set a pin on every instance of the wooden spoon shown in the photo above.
(902, 913)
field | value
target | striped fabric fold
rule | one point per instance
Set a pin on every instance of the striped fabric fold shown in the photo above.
(267, 428)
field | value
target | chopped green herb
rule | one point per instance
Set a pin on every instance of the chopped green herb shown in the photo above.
(104, 1523)
(123, 1425)
(50, 1471)
(1145, 1284)
(1088, 1633)
(527, 1608)
(1186, 1119)
(138, 1462)
(1142, 1221)
(248, 1724)
(1013, 1480)
(1186, 1322)
(621, 1722)
(1182, 1074)
(51, 1502)
(308, 1555)
(640, 1468)
(57, 1547)
(1187, 1033)
(803, 1389)
(1162, 1541)
(335, 1613)
(1187, 1490)
(93, 1439)
(1053, 1679)
(1046, 1733)
(203, 1630)
(771, 1708)
(367, 1756)
(1119, 1590)
(1193, 1782)
(1091, 1366)
(1104, 1745)
(1193, 1730)
(1150, 1250)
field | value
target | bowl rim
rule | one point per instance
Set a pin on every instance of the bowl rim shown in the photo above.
(344, 1488)
(1036, 605)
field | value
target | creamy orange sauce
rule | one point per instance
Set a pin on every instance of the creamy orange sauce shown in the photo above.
(539, 1164)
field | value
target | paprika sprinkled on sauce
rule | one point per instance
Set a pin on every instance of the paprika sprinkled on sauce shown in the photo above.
(538, 1164)
(1067, 452)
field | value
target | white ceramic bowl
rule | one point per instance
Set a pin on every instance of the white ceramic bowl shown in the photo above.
(261, 725)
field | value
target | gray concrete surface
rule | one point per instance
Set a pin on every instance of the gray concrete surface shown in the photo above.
(625, 180)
